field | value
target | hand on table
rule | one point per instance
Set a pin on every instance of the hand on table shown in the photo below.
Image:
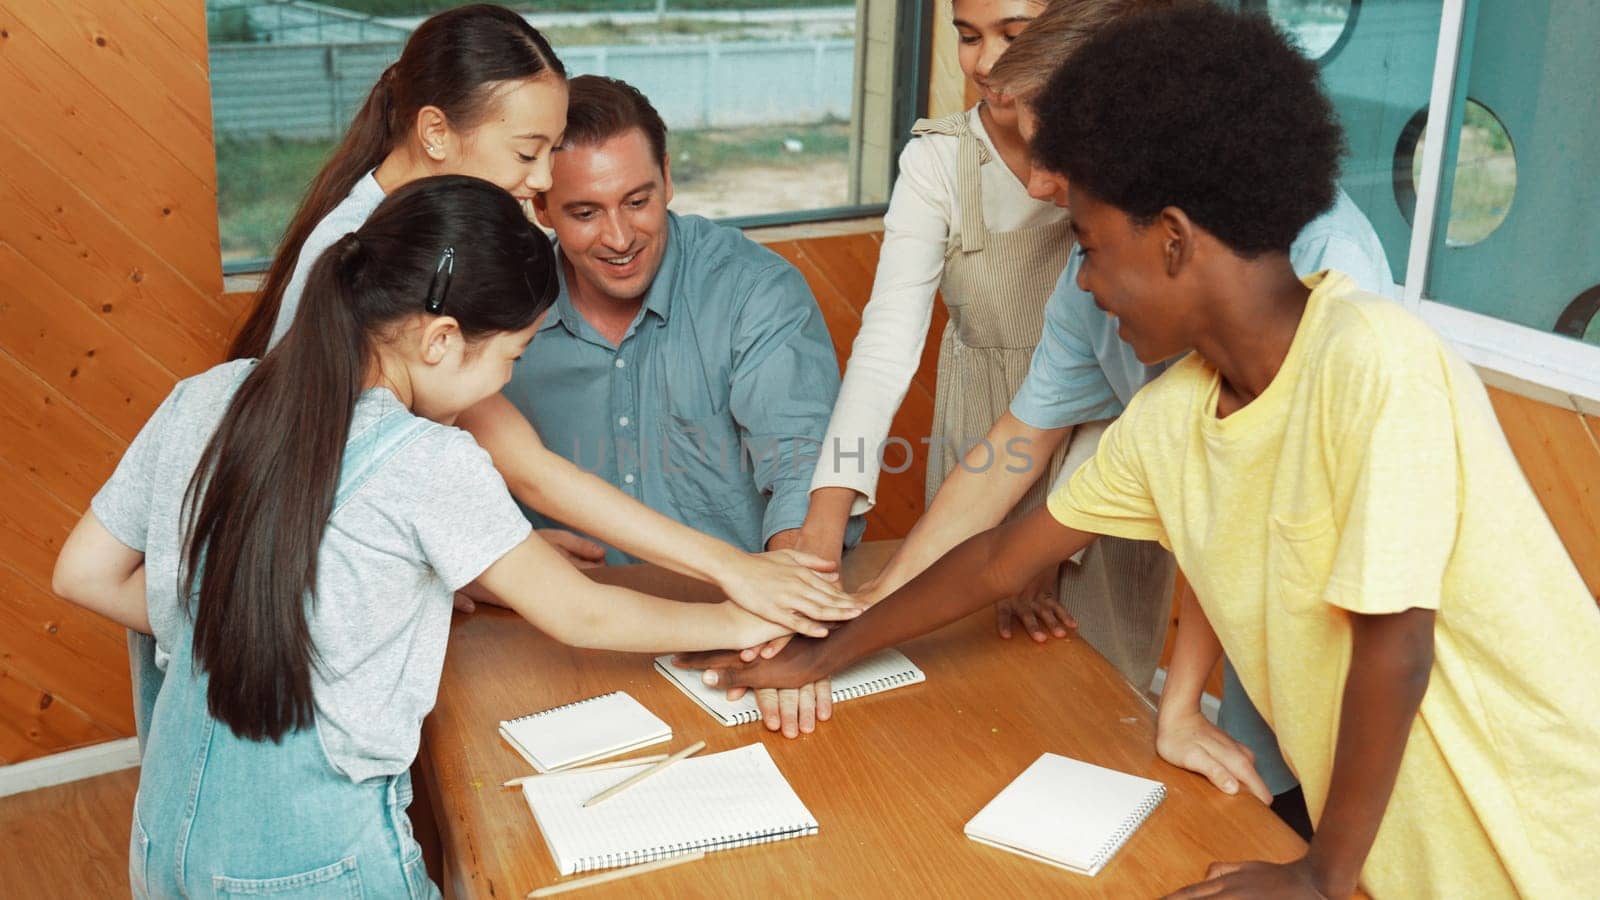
(1037, 608)
(1192, 742)
(1256, 879)
(794, 711)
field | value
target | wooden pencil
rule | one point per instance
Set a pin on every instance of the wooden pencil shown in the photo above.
(634, 779)
(597, 767)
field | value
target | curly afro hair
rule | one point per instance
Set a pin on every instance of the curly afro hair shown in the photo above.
(1211, 111)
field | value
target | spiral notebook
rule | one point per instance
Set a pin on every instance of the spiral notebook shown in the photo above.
(585, 731)
(881, 671)
(706, 803)
(1067, 813)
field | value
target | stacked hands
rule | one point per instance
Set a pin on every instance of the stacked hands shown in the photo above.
(792, 686)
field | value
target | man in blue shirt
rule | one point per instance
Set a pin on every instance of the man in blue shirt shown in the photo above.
(682, 362)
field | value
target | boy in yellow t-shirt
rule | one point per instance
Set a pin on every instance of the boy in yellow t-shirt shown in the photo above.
(1332, 479)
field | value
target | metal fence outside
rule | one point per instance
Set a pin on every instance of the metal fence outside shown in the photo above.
(311, 91)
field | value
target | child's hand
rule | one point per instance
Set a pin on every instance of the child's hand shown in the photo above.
(1257, 879)
(1037, 608)
(791, 589)
(793, 668)
(1191, 741)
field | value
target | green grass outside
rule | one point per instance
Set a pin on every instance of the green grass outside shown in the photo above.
(1485, 180)
(260, 182)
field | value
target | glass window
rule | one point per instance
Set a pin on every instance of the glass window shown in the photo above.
(1513, 253)
(1485, 178)
(1318, 26)
(764, 101)
(1524, 163)
(1377, 67)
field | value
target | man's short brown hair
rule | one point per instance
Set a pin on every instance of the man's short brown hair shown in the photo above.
(1055, 34)
(600, 108)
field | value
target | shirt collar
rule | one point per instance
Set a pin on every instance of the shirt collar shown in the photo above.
(657, 299)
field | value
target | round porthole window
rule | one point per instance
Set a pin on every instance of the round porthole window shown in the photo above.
(1319, 27)
(1485, 175)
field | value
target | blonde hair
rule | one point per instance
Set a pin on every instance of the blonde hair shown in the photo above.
(1053, 36)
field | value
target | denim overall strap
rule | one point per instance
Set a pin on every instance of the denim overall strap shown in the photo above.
(221, 816)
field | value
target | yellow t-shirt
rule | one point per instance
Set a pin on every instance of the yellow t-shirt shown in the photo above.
(1371, 476)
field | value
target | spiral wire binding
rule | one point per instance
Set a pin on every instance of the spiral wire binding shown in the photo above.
(1129, 826)
(882, 683)
(742, 839)
(556, 709)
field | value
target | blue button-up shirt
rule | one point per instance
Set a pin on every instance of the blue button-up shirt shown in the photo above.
(712, 408)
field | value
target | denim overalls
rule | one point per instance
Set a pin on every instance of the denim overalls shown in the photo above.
(218, 816)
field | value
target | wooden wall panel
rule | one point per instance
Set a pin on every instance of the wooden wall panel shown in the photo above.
(840, 269)
(110, 290)
(1560, 453)
(112, 149)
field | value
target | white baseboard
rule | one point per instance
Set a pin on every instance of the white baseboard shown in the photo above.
(1208, 704)
(69, 765)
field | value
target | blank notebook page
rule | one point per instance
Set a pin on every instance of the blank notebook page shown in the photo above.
(586, 731)
(1064, 811)
(714, 802)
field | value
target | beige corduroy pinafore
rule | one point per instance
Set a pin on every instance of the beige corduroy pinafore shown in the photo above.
(995, 287)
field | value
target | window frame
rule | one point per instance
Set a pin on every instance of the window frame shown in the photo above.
(1551, 368)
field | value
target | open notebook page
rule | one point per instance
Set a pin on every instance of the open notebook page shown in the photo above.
(714, 802)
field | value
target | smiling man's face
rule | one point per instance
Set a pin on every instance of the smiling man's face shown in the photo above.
(608, 206)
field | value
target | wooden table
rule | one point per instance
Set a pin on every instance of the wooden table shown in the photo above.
(891, 779)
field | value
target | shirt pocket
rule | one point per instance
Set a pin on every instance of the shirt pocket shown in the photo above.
(1299, 560)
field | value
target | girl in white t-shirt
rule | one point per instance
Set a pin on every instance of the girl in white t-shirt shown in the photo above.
(965, 221)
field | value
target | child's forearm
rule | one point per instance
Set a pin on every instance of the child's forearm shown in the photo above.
(1195, 652)
(558, 488)
(1391, 658)
(976, 495)
(996, 563)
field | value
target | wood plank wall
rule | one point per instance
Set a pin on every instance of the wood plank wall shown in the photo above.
(110, 290)
(839, 270)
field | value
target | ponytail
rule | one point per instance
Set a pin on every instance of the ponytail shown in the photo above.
(452, 61)
(365, 144)
(274, 467)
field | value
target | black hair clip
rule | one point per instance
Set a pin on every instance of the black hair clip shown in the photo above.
(440, 285)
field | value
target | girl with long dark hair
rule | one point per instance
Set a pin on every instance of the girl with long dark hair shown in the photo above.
(291, 531)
